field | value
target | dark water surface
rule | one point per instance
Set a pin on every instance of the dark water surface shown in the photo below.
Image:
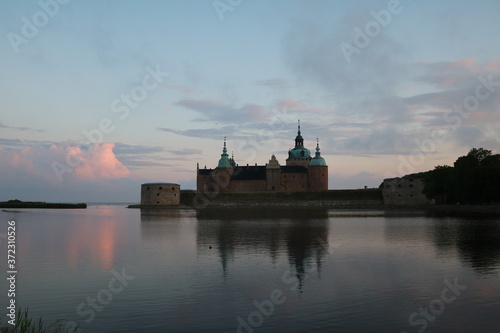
(113, 269)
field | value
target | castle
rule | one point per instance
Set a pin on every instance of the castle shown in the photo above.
(301, 173)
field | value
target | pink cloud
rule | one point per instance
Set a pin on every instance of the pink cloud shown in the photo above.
(101, 162)
(291, 104)
(37, 163)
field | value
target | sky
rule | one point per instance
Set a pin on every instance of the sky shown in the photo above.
(97, 97)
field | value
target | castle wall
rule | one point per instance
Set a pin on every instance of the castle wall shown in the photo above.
(273, 179)
(160, 194)
(202, 181)
(404, 191)
(248, 185)
(221, 177)
(294, 181)
(298, 161)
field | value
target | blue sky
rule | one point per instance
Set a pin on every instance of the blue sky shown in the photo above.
(420, 90)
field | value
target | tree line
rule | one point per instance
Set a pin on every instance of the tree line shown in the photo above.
(473, 179)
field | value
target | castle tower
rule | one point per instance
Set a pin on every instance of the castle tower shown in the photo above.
(273, 175)
(299, 155)
(318, 172)
(221, 176)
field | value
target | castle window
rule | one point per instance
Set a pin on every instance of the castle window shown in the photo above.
(160, 188)
(157, 202)
(158, 194)
(399, 185)
(411, 185)
(173, 188)
(147, 187)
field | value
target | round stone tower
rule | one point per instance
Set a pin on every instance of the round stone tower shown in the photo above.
(160, 194)
(318, 172)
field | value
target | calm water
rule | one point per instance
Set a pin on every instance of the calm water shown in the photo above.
(113, 269)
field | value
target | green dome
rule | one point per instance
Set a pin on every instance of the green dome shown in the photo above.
(298, 152)
(317, 160)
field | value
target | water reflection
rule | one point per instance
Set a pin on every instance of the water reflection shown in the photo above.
(160, 224)
(475, 241)
(300, 234)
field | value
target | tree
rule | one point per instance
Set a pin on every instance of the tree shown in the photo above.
(439, 184)
(473, 179)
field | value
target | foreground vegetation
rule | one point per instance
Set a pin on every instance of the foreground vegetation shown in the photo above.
(473, 179)
(38, 204)
(26, 324)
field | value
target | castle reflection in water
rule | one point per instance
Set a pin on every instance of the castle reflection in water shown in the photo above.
(301, 234)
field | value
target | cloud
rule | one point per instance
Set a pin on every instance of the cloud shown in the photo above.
(180, 88)
(275, 83)
(402, 99)
(21, 128)
(187, 152)
(34, 169)
(100, 162)
(204, 133)
(452, 82)
(219, 111)
(368, 84)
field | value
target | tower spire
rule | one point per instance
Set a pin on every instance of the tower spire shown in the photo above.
(224, 157)
(317, 159)
(299, 140)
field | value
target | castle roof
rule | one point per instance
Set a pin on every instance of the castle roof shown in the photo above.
(317, 160)
(299, 151)
(293, 169)
(257, 172)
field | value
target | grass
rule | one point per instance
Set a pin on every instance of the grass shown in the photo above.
(38, 204)
(26, 324)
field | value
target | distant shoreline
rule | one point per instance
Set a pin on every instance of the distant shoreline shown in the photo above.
(39, 204)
